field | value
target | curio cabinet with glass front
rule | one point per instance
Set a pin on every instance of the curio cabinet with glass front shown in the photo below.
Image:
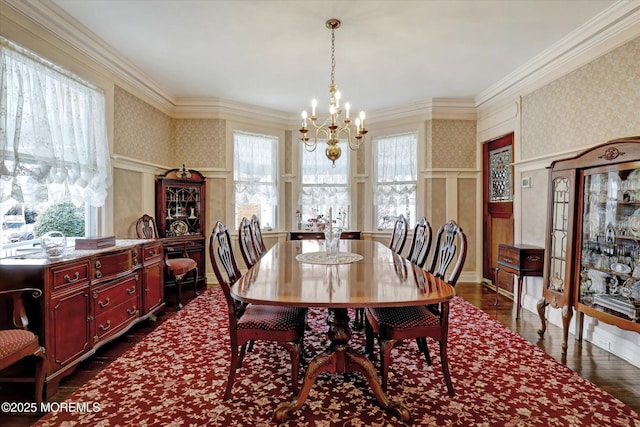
(592, 263)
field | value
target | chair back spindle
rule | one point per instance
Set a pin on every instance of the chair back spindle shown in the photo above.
(421, 243)
(451, 242)
(399, 236)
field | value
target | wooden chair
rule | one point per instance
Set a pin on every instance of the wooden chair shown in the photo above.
(396, 244)
(246, 238)
(249, 322)
(420, 243)
(18, 343)
(257, 235)
(393, 325)
(399, 236)
(175, 268)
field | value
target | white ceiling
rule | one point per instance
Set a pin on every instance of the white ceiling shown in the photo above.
(276, 53)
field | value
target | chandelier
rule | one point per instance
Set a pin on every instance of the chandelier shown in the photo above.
(334, 127)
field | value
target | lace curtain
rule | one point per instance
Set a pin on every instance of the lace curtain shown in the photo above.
(53, 133)
(254, 169)
(396, 178)
(324, 186)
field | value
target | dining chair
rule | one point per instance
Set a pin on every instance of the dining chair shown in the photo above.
(399, 236)
(18, 343)
(246, 240)
(175, 268)
(393, 325)
(257, 235)
(396, 244)
(248, 322)
(420, 243)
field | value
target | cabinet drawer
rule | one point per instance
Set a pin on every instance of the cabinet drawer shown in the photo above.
(533, 262)
(70, 274)
(112, 265)
(152, 252)
(109, 295)
(113, 320)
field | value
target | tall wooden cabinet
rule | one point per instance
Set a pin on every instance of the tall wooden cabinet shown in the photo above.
(592, 257)
(180, 216)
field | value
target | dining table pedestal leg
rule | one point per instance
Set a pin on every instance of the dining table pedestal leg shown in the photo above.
(340, 358)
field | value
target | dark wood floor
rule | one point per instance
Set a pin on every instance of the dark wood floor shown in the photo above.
(607, 371)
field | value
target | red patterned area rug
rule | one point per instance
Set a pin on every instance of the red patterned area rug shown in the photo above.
(176, 377)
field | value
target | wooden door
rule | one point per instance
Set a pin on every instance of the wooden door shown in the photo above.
(497, 178)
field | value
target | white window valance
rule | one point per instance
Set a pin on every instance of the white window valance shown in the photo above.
(53, 133)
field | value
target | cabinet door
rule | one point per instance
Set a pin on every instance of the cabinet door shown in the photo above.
(70, 328)
(560, 244)
(609, 260)
(153, 287)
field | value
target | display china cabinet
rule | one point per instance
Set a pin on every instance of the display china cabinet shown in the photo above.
(180, 216)
(592, 261)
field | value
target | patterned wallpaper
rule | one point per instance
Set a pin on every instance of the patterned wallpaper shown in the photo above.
(140, 131)
(199, 143)
(595, 103)
(453, 143)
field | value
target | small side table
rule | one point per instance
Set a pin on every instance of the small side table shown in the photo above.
(521, 260)
(319, 235)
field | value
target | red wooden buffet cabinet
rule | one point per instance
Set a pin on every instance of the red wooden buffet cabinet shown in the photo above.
(89, 298)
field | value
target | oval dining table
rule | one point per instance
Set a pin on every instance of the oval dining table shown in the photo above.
(363, 274)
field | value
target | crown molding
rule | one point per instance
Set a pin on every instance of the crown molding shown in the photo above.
(53, 19)
(615, 26)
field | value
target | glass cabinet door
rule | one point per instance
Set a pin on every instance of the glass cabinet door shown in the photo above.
(559, 234)
(183, 211)
(609, 278)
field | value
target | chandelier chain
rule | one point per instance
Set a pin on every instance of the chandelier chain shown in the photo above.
(333, 55)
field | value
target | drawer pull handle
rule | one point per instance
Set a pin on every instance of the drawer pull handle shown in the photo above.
(132, 290)
(104, 304)
(98, 264)
(105, 327)
(131, 310)
(98, 274)
(533, 258)
(68, 279)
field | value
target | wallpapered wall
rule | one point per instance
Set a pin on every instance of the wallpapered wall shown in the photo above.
(140, 131)
(453, 144)
(596, 103)
(200, 143)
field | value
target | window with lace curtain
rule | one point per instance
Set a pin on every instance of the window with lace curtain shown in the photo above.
(395, 178)
(255, 169)
(323, 186)
(53, 140)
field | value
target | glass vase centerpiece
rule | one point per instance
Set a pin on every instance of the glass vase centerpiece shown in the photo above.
(332, 236)
(54, 244)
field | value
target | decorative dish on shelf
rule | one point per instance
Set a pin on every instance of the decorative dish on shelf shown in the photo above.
(620, 268)
(634, 223)
(179, 228)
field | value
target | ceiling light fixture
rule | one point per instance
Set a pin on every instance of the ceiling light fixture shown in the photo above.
(330, 129)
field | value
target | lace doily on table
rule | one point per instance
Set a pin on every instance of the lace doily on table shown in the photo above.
(323, 258)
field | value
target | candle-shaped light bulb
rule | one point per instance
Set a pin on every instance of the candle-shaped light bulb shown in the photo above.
(332, 110)
(362, 119)
(358, 124)
(314, 104)
(304, 119)
(338, 95)
(347, 106)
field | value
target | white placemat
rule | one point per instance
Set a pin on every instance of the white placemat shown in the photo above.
(323, 258)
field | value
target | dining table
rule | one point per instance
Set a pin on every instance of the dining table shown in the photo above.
(363, 273)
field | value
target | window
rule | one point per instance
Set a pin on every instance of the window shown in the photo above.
(324, 186)
(53, 144)
(395, 178)
(254, 176)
